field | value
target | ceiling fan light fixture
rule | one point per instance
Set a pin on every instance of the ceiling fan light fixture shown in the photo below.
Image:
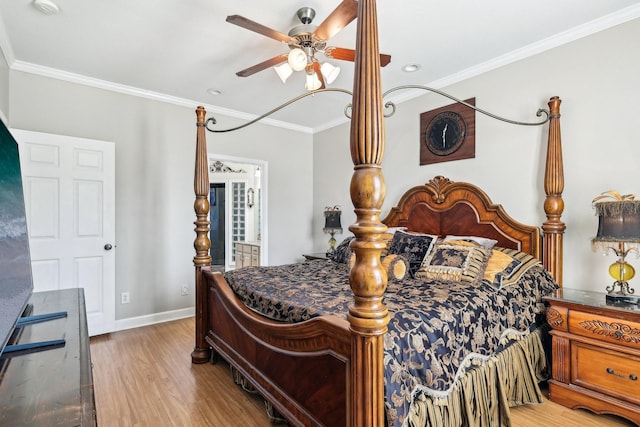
(283, 70)
(312, 82)
(297, 59)
(329, 72)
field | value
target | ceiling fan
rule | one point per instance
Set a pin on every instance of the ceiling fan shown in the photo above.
(304, 42)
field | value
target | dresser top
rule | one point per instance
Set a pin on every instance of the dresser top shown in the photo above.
(52, 387)
(594, 300)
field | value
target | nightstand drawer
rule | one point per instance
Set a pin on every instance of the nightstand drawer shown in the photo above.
(604, 328)
(606, 371)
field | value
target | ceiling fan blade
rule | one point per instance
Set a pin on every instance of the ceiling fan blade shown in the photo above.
(350, 55)
(341, 16)
(316, 69)
(243, 22)
(263, 65)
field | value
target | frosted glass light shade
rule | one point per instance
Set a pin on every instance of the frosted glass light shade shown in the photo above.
(329, 72)
(312, 82)
(297, 59)
(283, 70)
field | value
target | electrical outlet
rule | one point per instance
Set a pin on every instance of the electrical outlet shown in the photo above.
(124, 298)
(184, 290)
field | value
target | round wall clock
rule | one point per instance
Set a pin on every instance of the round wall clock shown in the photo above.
(448, 133)
(445, 133)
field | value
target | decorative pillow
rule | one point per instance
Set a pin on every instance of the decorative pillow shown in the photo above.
(396, 266)
(342, 252)
(392, 230)
(463, 243)
(387, 237)
(487, 243)
(520, 263)
(456, 262)
(498, 262)
(413, 246)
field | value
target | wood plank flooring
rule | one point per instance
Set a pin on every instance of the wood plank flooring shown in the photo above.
(144, 377)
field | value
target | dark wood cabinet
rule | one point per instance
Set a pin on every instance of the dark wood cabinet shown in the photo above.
(596, 353)
(51, 387)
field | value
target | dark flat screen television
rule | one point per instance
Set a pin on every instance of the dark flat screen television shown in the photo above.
(16, 284)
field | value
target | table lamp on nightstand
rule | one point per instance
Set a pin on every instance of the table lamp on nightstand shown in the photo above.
(618, 231)
(332, 225)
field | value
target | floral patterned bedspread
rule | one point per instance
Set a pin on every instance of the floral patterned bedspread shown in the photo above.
(436, 327)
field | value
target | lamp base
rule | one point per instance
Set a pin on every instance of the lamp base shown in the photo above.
(332, 243)
(623, 296)
(623, 300)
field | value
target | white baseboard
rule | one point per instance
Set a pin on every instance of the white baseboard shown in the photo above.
(152, 319)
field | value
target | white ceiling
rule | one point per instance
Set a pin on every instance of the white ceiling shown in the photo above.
(176, 50)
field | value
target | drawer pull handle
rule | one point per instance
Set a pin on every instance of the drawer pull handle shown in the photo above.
(632, 377)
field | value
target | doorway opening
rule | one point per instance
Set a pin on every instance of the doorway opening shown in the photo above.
(238, 204)
(217, 214)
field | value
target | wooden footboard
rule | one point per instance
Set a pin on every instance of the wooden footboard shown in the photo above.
(301, 368)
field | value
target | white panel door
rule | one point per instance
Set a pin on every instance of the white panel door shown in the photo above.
(69, 186)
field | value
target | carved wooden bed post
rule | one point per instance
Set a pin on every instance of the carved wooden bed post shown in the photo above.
(553, 228)
(368, 317)
(201, 352)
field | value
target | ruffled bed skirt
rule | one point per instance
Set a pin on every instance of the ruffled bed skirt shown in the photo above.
(482, 396)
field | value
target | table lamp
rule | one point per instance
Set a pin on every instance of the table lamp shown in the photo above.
(618, 231)
(332, 225)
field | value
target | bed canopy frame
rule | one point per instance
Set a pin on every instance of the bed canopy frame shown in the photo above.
(368, 317)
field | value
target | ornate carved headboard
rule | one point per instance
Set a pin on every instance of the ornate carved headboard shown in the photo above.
(445, 207)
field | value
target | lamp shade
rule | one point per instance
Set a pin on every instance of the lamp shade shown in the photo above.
(312, 82)
(618, 221)
(332, 220)
(297, 59)
(283, 70)
(329, 72)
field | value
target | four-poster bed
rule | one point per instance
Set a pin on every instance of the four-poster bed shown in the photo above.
(329, 370)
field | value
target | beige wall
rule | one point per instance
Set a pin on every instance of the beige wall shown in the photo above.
(155, 146)
(597, 78)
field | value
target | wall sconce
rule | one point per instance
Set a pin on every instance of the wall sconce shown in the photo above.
(618, 231)
(250, 197)
(332, 225)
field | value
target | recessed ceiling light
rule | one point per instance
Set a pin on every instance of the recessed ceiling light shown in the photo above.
(47, 7)
(410, 68)
(214, 92)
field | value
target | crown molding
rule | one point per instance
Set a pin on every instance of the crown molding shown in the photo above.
(581, 31)
(608, 21)
(40, 70)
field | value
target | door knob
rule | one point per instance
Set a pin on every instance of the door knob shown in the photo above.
(108, 247)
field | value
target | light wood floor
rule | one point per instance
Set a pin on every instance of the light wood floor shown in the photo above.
(144, 377)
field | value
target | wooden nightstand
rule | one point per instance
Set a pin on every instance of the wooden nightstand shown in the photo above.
(596, 353)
